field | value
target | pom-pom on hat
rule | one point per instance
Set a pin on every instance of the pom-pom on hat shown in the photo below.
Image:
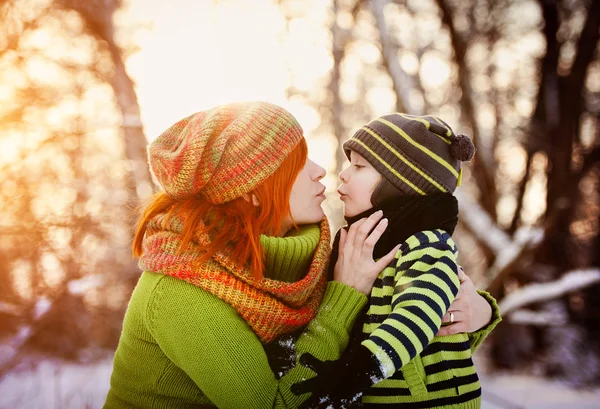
(223, 152)
(417, 155)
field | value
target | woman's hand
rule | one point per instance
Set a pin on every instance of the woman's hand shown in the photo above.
(468, 312)
(355, 265)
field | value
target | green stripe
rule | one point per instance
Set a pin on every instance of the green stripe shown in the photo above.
(403, 159)
(369, 328)
(440, 376)
(380, 291)
(427, 124)
(418, 398)
(422, 304)
(391, 383)
(431, 236)
(386, 363)
(419, 146)
(395, 343)
(464, 371)
(380, 310)
(416, 319)
(457, 355)
(448, 130)
(399, 176)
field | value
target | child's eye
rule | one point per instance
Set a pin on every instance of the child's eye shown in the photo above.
(356, 165)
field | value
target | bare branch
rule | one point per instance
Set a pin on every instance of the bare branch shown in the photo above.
(589, 160)
(538, 318)
(588, 42)
(527, 239)
(403, 83)
(339, 41)
(357, 7)
(533, 293)
(482, 226)
(10, 309)
(484, 162)
(521, 194)
(98, 18)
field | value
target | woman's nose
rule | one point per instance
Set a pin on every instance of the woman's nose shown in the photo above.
(317, 171)
(321, 172)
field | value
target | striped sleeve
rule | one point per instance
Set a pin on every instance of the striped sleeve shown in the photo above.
(425, 284)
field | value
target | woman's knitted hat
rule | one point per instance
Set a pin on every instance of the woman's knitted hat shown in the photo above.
(223, 152)
(417, 155)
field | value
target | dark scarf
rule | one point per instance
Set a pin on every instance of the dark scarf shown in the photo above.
(407, 215)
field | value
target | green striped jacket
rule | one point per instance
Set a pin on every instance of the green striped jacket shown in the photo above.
(407, 303)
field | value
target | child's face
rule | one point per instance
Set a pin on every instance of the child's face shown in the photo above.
(359, 179)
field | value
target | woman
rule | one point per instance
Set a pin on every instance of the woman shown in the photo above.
(234, 253)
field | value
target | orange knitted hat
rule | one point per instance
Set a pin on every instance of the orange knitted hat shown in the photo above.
(225, 151)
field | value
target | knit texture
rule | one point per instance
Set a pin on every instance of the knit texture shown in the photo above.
(183, 347)
(477, 337)
(407, 303)
(417, 155)
(223, 152)
(286, 257)
(270, 307)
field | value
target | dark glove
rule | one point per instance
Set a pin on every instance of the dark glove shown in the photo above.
(281, 354)
(339, 384)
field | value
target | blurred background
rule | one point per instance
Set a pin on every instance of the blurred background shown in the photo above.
(86, 84)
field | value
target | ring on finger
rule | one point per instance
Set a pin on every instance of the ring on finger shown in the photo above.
(451, 317)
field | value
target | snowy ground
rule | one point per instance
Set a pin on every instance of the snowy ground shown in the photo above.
(58, 385)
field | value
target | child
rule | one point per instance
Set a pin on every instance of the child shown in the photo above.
(408, 167)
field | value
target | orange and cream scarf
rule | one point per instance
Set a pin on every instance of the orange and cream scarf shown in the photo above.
(270, 307)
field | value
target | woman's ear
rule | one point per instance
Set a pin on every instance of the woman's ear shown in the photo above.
(251, 199)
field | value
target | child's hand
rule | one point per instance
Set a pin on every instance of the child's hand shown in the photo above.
(355, 265)
(338, 384)
(470, 311)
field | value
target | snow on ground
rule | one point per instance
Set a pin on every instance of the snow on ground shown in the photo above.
(57, 385)
(510, 391)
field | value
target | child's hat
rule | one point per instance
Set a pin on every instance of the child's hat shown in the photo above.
(223, 152)
(417, 155)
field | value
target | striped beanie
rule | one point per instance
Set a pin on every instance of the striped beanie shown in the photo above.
(223, 152)
(417, 155)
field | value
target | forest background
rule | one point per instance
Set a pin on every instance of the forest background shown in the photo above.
(85, 85)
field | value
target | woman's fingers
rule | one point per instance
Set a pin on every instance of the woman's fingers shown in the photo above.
(384, 261)
(365, 228)
(456, 323)
(352, 231)
(457, 316)
(451, 329)
(369, 243)
(343, 236)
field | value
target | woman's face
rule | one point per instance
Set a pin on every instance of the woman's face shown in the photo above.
(307, 195)
(359, 180)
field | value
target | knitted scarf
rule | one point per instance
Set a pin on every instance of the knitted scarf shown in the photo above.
(407, 215)
(270, 307)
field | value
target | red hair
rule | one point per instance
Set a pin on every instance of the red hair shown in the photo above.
(238, 222)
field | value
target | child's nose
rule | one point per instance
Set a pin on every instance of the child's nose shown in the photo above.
(342, 176)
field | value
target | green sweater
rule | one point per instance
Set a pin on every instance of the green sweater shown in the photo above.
(183, 347)
(407, 303)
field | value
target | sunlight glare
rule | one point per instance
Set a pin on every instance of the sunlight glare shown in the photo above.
(195, 60)
(434, 71)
